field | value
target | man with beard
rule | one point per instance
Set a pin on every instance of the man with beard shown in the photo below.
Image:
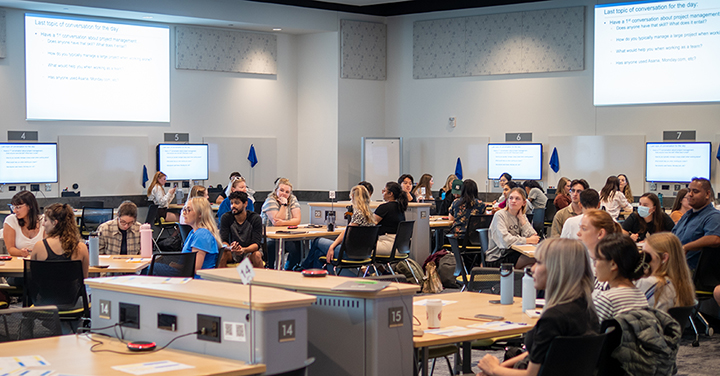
(700, 227)
(241, 230)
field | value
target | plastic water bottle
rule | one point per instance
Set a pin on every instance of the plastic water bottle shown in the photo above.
(94, 248)
(528, 291)
(507, 283)
(146, 245)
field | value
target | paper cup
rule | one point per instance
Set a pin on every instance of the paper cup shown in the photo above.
(434, 313)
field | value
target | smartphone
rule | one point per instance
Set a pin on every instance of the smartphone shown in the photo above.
(489, 317)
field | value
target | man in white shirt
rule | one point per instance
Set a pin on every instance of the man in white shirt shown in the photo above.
(589, 199)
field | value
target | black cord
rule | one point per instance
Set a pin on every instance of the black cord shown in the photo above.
(100, 343)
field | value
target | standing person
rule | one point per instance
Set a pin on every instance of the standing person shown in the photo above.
(281, 208)
(700, 227)
(406, 181)
(589, 200)
(22, 229)
(535, 195)
(563, 271)
(448, 194)
(612, 199)
(241, 230)
(510, 226)
(625, 187)
(670, 284)
(680, 206)
(649, 219)
(467, 205)
(121, 236)
(389, 215)
(156, 194)
(238, 185)
(63, 238)
(562, 194)
(204, 237)
(426, 181)
(577, 186)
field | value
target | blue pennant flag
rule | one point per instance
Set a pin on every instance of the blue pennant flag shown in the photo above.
(555, 161)
(458, 169)
(718, 154)
(252, 157)
(145, 176)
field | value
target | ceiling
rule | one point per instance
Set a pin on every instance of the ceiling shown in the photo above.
(394, 7)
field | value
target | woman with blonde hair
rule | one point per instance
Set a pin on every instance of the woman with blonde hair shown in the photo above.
(563, 271)
(510, 226)
(63, 238)
(446, 196)
(670, 284)
(281, 208)
(204, 237)
(156, 194)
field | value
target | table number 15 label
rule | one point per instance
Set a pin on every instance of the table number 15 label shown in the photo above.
(395, 317)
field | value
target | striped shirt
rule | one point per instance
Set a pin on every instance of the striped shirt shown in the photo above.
(618, 300)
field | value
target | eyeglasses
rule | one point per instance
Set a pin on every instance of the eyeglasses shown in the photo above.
(125, 224)
(16, 207)
(576, 190)
(187, 209)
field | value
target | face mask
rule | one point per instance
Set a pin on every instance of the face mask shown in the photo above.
(644, 211)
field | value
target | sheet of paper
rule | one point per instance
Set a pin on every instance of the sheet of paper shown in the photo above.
(498, 325)
(24, 361)
(151, 367)
(423, 302)
(533, 313)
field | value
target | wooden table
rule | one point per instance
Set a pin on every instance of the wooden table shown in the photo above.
(468, 305)
(71, 355)
(303, 232)
(117, 264)
(526, 249)
(214, 207)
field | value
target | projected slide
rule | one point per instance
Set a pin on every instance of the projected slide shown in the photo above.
(28, 163)
(183, 161)
(657, 52)
(79, 69)
(677, 161)
(522, 161)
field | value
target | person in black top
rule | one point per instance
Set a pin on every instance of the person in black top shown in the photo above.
(241, 230)
(389, 215)
(563, 271)
(648, 219)
(407, 182)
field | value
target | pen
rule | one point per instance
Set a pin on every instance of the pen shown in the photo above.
(474, 319)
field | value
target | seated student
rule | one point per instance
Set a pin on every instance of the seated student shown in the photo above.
(562, 194)
(349, 212)
(406, 181)
(700, 227)
(121, 236)
(670, 284)
(241, 230)
(595, 225)
(680, 206)
(238, 185)
(625, 187)
(467, 205)
(63, 238)
(361, 216)
(22, 229)
(198, 191)
(618, 262)
(389, 215)
(446, 196)
(504, 179)
(426, 182)
(535, 195)
(510, 226)
(156, 194)
(649, 219)
(576, 187)
(563, 271)
(281, 208)
(224, 194)
(204, 237)
(589, 200)
(612, 200)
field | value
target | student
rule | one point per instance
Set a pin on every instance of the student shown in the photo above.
(563, 271)
(156, 194)
(281, 208)
(670, 284)
(198, 191)
(224, 194)
(700, 227)
(535, 195)
(506, 190)
(680, 206)
(589, 200)
(238, 185)
(618, 262)
(594, 226)
(241, 230)
(63, 238)
(426, 181)
(389, 215)
(576, 188)
(446, 196)
(121, 236)
(510, 226)
(22, 229)
(562, 194)
(467, 205)
(367, 186)
(612, 200)
(204, 237)
(649, 219)
(503, 180)
(625, 187)
(406, 181)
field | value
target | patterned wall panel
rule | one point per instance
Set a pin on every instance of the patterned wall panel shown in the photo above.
(3, 35)
(363, 50)
(550, 40)
(225, 50)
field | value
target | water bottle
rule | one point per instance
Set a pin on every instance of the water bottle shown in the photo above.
(331, 221)
(94, 248)
(660, 198)
(146, 244)
(507, 283)
(421, 197)
(528, 290)
(179, 194)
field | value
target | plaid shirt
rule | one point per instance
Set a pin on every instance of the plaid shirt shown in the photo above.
(111, 238)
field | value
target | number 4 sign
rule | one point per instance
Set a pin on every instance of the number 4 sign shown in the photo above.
(246, 271)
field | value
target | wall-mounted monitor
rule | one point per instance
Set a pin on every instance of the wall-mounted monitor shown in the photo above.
(183, 161)
(677, 162)
(25, 163)
(522, 161)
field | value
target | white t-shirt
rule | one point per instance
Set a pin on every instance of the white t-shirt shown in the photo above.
(22, 241)
(571, 227)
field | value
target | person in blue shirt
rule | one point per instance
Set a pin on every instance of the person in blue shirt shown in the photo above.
(238, 185)
(204, 237)
(700, 227)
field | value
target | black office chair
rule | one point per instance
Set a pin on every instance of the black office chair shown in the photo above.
(487, 280)
(184, 231)
(92, 218)
(173, 264)
(92, 204)
(573, 356)
(401, 247)
(550, 211)
(683, 315)
(538, 222)
(469, 243)
(18, 324)
(607, 365)
(356, 250)
(153, 218)
(707, 276)
(58, 283)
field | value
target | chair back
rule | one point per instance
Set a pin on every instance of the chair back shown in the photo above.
(94, 217)
(184, 231)
(573, 356)
(487, 280)
(401, 246)
(92, 204)
(152, 214)
(471, 236)
(58, 283)
(173, 264)
(707, 274)
(607, 365)
(550, 210)
(17, 324)
(359, 243)
(681, 315)
(538, 221)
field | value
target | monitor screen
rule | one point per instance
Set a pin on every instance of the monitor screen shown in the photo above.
(183, 161)
(677, 162)
(522, 161)
(24, 163)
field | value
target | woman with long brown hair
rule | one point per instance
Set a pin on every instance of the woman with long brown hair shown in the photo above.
(681, 205)
(649, 219)
(612, 200)
(63, 238)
